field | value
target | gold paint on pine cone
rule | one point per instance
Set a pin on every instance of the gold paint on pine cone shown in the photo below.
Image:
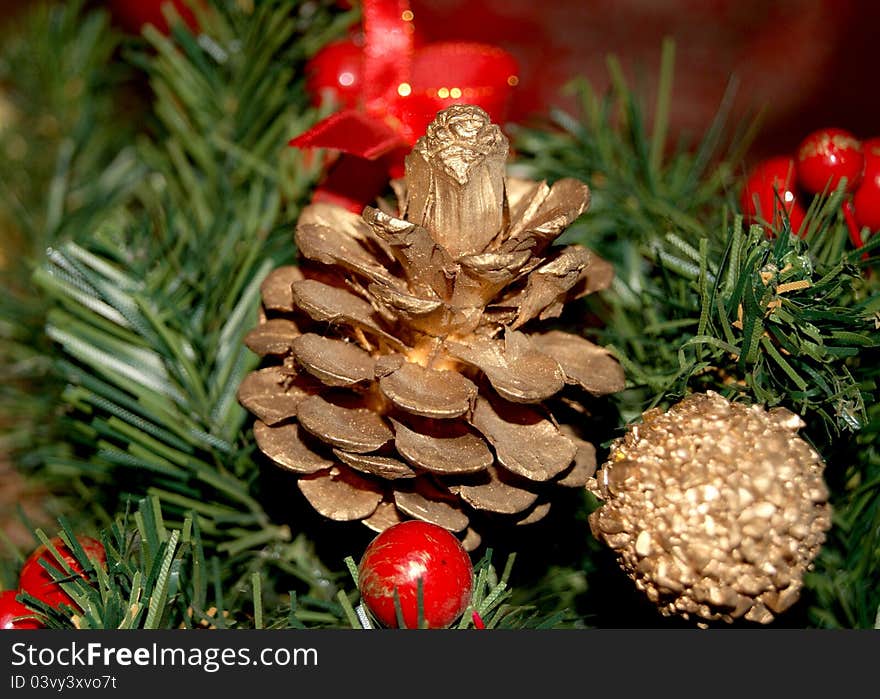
(715, 509)
(408, 370)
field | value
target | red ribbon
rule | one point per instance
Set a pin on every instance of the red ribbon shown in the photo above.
(403, 89)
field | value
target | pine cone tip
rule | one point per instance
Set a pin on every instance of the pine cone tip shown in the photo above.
(455, 179)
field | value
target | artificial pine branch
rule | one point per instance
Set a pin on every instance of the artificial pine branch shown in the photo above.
(845, 585)
(158, 576)
(156, 262)
(148, 313)
(155, 577)
(701, 302)
(61, 175)
(692, 293)
(149, 320)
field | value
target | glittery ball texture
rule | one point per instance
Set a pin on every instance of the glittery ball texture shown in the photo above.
(715, 509)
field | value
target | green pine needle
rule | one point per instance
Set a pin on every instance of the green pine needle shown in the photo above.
(700, 303)
(159, 193)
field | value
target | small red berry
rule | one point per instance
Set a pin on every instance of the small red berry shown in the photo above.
(825, 157)
(11, 608)
(337, 71)
(770, 189)
(866, 199)
(408, 552)
(37, 581)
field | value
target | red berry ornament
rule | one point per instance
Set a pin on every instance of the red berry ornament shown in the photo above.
(11, 608)
(770, 190)
(37, 581)
(825, 157)
(866, 199)
(337, 72)
(408, 552)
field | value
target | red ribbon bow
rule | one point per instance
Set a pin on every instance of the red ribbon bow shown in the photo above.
(403, 88)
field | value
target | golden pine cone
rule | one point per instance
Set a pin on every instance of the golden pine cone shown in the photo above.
(406, 372)
(714, 508)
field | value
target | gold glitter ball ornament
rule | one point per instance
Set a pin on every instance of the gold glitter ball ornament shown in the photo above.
(408, 370)
(715, 509)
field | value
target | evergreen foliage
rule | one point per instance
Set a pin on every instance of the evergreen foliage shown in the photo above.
(135, 238)
(703, 302)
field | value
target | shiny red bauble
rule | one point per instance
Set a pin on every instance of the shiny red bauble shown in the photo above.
(825, 157)
(11, 608)
(336, 72)
(866, 198)
(37, 581)
(401, 556)
(769, 190)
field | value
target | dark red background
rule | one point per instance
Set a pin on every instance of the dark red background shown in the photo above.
(809, 63)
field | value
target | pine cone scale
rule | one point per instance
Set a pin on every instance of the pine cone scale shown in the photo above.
(332, 247)
(272, 394)
(424, 501)
(494, 495)
(284, 445)
(333, 362)
(591, 367)
(272, 337)
(276, 289)
(525, 442)
(426, 266)
(516, 371)
(381, 466)
(386, 515)
(341, 494)
(429, 392)
(442, 449)
(326, 303)
(584, 465)
(355, 428)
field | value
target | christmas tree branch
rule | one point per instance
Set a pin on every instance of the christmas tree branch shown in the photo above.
(63, 175)
(160, 229)
(148, 320)
(698, 301)
(701, 302)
